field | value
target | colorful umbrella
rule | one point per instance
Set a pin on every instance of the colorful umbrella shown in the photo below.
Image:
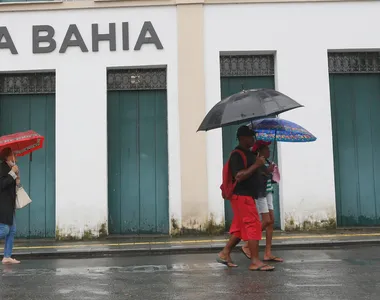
(288, 137)
(275, 129)
(22, 143)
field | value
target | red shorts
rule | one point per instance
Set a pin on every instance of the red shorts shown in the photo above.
(246, 223)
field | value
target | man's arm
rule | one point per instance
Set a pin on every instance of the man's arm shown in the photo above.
(239, 172)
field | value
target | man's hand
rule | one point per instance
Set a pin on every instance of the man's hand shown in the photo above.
(244, 174)
(260, 160)
(15, 169)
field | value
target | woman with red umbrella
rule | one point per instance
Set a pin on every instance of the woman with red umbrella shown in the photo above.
(12, 194)
(9, 179)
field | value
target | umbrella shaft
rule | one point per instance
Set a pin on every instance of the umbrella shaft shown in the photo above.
(274, 146)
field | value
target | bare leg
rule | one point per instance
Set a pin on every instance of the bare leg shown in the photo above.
(225, 254)
(246, 251)
(266, 221)
(268, 256)
(256, 263)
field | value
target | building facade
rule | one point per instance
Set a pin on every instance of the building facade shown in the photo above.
(119, 88)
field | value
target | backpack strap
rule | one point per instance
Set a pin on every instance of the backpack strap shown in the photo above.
(243, 156)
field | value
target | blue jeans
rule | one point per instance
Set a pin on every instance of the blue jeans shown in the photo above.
(8, 232)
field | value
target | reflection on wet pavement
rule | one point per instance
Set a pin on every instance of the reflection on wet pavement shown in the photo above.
(340, 274)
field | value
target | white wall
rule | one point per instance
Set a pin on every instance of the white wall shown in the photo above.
(301, 35)
(81, 101)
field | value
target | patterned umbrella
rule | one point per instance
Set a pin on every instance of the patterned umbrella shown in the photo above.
(275, 129)
(22, 143)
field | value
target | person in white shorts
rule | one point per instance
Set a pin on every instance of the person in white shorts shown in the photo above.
(265, 206)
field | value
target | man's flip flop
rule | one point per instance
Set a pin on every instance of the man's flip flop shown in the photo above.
(274, 259)
(226, 263)
(245, 254)
(261, 268)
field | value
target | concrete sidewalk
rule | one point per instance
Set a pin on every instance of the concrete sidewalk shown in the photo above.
(165, 245)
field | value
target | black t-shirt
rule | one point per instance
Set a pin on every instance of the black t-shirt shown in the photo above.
(255, 185)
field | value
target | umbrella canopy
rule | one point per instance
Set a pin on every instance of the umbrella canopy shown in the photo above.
(271, 129)
(291, 137)
(245, 106)
(22, 143)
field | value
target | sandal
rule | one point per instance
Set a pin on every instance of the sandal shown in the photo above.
(263, 270)
(245, 254)
(229, 264)
(274, 259)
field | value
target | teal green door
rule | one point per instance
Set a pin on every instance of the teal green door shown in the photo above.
(229, 86)
(36, 112)
(355, 107)
(138, 162)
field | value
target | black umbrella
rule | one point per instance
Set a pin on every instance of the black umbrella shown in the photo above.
(245, 106)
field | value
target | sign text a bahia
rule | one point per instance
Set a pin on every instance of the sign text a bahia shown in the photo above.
(44, 40)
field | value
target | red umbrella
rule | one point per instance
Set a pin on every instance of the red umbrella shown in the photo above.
(22, 143)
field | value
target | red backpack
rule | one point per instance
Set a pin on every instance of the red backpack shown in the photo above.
(228, 185)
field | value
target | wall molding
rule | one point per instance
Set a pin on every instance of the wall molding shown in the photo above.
(93, 4)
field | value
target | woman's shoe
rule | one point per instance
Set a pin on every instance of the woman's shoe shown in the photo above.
(10, 261)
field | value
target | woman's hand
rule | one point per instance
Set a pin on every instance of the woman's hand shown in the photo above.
(15, 169)
(271, 168)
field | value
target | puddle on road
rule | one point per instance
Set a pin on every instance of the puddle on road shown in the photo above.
(95, 272)
(88, 290)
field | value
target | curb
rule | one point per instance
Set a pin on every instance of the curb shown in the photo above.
(198, 249)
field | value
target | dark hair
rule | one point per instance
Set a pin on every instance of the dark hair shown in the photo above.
(263, 147)
(5, 153)
(244, 131)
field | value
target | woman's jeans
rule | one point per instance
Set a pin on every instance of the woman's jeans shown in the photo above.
(8, 232)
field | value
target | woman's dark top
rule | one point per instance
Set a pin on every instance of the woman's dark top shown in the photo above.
(7, 195)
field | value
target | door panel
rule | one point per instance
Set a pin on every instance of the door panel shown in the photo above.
(355, 107)
(138, 162)
(36, 112)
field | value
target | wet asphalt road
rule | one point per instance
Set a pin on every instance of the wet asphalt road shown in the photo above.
(338, 274)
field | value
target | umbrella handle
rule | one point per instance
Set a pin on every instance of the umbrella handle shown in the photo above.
(274, 146)
(253, 129)
(30, 156)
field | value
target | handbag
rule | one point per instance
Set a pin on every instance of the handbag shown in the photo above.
(275, 176)
(22, 198)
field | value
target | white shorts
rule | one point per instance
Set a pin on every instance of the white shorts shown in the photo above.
(265, 204)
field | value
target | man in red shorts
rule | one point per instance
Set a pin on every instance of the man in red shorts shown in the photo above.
(246, 221)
